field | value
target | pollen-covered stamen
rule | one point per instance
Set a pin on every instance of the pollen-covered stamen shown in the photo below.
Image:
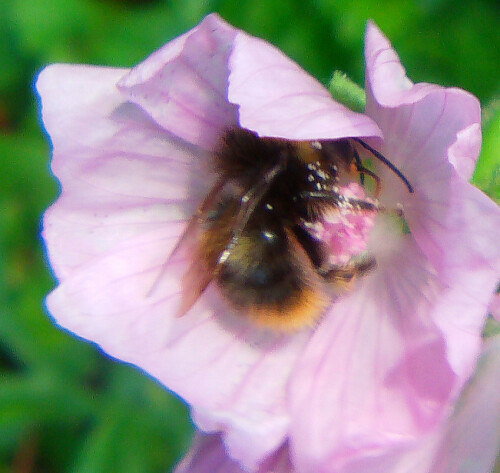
(345, 229)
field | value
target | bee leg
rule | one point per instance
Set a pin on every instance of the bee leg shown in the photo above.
(364, 171)
(359, 166)
(338, 200)
(382, 158)
(346, 273)
(359, 204)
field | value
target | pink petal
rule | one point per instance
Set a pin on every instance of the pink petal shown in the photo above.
(465, 251)
(471, 439)
(471, 264)
(425, 129)
(460, 241)
(277, 98)
(386, 76)
(463, 154)
(469, 230)
(207, 454)
(375, 374)
(122, 175)
(183, 85)
(467, 443)
(418, 138)
(234, 378)
(420, 120)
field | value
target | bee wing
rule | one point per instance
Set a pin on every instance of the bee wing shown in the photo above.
(194, 282)
(249, 202)
(187, 242)
(199, 273)
(231, 225)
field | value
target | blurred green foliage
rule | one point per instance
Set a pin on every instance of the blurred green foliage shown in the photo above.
(64, 407)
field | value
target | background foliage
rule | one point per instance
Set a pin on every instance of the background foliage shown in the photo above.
(64, 407)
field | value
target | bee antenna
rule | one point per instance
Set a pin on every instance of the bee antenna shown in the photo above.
(391, 166)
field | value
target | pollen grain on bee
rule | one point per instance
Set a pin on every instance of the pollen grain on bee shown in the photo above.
(268, 235)
(323, 175)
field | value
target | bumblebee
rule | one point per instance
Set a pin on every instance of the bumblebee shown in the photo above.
(252, 235)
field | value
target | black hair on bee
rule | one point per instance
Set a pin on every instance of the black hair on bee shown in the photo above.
(251, 233)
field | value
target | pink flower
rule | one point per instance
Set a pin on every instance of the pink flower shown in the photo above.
(468, 442)
(387, 360)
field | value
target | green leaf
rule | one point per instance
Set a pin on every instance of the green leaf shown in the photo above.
(487, 173)
(39, 398)
(141, 427)
(347, 92)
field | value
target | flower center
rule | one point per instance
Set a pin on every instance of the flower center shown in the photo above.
(345, 230)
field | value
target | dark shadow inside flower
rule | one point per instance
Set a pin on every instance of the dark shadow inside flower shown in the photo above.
(207, 454)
